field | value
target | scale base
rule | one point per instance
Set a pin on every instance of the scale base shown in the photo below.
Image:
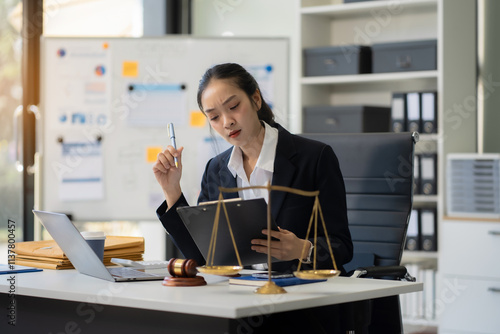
(270, 288)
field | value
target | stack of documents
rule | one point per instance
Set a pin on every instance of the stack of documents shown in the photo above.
(47, 254)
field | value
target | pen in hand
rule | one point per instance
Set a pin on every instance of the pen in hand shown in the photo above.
(171, 134)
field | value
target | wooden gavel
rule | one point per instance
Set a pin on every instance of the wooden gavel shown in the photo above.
(182, 267)
(183, 273)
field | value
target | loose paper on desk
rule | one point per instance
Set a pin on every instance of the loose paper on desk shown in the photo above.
(80, 171)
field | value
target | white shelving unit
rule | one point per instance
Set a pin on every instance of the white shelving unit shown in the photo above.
(326, 23)
(475, 291)
(416, 256)
(380, 21)
(425, 198)
(369, 78)
(340, 10)
(451, 22)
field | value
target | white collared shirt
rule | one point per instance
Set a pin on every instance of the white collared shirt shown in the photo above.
(264, 168)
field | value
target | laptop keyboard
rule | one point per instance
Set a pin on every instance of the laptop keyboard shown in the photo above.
(129, 273)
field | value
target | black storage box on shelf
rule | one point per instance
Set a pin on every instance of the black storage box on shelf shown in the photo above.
(337, 60)
(404, 56)
(346, 119)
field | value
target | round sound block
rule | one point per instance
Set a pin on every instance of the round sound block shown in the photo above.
(184, 281)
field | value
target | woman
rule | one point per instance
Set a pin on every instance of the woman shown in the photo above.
(262, 151)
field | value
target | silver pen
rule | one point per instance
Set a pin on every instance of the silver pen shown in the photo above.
(171, 134)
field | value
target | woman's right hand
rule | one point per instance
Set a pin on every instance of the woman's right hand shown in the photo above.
(167, 175)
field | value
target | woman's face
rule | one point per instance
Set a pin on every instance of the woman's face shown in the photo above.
(231, 113)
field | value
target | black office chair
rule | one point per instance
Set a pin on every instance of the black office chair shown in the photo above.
(378, 175)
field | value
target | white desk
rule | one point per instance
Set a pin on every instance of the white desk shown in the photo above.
(215, 302)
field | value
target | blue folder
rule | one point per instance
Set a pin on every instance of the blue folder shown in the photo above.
(16, 269)
(254, 281)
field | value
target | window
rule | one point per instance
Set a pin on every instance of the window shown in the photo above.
(88, 18)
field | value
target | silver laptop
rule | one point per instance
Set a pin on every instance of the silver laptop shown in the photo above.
(83, 258)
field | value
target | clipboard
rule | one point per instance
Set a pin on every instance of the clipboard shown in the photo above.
(247, 218)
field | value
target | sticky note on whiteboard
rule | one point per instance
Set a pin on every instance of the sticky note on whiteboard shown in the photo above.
(152, 153)
(197, 119)
(130, 69)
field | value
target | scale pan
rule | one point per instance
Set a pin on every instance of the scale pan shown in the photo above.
(317, 274)
(220, 270)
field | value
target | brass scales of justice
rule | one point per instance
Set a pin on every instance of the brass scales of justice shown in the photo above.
(270, 287)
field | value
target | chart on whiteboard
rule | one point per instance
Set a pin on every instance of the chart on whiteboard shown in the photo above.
(81, 97)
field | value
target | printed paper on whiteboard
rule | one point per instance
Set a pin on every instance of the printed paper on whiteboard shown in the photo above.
(157, 104)
(80, 171)
(208, 148)
(264, 75)
(80, 93)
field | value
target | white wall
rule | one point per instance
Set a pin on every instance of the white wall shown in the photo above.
(255, 18)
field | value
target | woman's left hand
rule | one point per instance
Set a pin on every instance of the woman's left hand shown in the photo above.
(287, 247)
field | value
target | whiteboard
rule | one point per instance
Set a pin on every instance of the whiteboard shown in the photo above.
(105, 107)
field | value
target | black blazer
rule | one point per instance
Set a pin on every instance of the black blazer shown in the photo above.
(300, 163)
